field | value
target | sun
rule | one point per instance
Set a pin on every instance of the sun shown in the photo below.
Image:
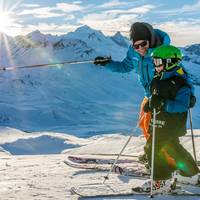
(5, 21)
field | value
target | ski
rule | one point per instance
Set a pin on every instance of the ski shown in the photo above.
(114, 154)
(130, 171)
(87, 166)
(134, 172)
(92, 160)
(82, 192)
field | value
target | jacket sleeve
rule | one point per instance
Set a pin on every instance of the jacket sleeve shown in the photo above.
(189, 80)
(165, 37)
(124, 66)
(180, 103)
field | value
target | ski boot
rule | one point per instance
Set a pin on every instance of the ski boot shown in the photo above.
(159, 186)
(193, 180)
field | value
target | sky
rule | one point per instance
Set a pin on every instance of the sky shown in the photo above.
(181, 19)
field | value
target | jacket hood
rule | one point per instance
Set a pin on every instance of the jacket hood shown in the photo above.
(155, 39)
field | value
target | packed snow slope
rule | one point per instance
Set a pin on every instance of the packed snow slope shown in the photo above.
(46, 177)
(83, 99)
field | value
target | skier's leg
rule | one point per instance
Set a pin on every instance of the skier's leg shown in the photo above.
(162, 170)
(184, 161)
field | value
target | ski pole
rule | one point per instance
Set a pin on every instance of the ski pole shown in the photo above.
(50, 64)
(112, 166)
(44, 65)
(107, 176)
(152, 152)
(191, 127)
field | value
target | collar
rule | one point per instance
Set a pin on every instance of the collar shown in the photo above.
(168, 74)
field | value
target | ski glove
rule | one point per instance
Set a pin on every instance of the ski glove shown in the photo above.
(156, 102)
(102, 60)
(192, 101)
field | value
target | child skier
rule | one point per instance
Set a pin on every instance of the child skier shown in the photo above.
(171, 94)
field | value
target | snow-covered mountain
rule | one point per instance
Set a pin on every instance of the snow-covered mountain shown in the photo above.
(192, 53)
(121, 40)
(77, 98)
(81, 99)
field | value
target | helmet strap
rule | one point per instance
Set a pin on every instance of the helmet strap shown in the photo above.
(169, 67)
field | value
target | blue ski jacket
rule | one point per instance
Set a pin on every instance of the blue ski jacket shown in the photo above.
(142, 65)
(175, 88)
(181, 101)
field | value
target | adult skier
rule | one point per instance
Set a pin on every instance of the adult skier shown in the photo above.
(171, 95)
(144, 39)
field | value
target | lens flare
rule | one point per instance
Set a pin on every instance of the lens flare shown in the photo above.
(8, 16)
(5, 21)
(181, 166)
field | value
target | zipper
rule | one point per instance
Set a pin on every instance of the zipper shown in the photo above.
(148, 78)
(142, 70)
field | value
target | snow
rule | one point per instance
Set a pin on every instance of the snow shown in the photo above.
(46, 177)
(49, 113)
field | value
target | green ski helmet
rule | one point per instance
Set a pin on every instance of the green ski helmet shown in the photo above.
(167, 55)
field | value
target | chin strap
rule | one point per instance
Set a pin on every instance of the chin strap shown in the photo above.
(167, 67)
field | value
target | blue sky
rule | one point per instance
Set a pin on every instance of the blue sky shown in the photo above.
(181, 19)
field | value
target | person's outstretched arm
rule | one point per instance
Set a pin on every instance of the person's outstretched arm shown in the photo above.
(126, 65)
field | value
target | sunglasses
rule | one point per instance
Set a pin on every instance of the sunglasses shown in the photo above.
(142, 44)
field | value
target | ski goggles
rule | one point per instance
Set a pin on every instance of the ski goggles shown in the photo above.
(142, 44)
(158, 62)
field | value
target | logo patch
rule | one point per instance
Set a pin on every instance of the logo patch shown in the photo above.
(180, 71)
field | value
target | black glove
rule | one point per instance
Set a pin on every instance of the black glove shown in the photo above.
(192, 101)
(156, 102)
(146, 107)
(102, 60)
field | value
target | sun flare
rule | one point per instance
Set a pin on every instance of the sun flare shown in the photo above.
(5, 21)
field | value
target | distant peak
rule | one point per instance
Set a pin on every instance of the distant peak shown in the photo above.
(36, 32)
(118, 33)
(120, 39)
(85, 28)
